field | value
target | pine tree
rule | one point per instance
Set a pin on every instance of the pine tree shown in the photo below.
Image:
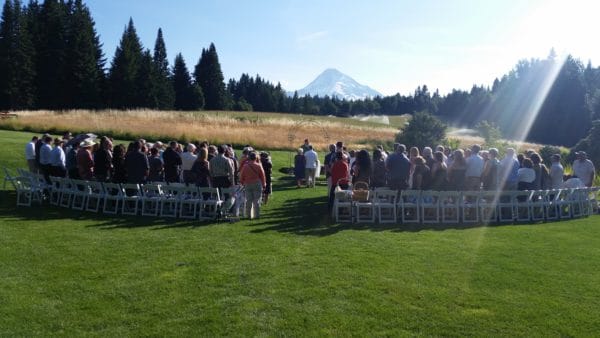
(17, 70)
(209, 76)
(164, 90)
(85, 61)
(146, 83)
(51, 55)
(188, 96)
(124, 70)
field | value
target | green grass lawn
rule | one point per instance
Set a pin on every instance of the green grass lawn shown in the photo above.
(291, 273)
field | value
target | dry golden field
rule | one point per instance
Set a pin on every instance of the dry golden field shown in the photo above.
(262, 130)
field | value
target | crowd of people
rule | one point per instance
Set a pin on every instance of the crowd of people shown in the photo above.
(469, 169)
(201, 164)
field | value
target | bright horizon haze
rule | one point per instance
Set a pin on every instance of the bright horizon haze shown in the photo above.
(391, 46)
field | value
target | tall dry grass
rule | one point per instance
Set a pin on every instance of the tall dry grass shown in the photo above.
(269, 131)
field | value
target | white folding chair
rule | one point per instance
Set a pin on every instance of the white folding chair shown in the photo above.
(8, 178)
(488, 206)
(537, 205)
(27, 193)
(67, 189)
(96, 196)
(55, 190)
(563, 203)
(409, 206)
(343, 207)
(81, 191)
(385, 202)
(151, 199)
(132, 195)
(113, 198)
(210, 204)
(506, 209)
(449, 203)
(169, 203)
(234, 201)
(578, 202)
(521, 203)
(550, 205)
(430, 207)
(189, 202)
(470, 207)
(365, 211)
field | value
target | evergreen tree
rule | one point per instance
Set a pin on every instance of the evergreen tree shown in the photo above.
(123, 76)
(188, 95)
(423, 130)
(146, 83)
(17, 69)
(209, 76)
(85, 60)
(51, 50)
(165, 94)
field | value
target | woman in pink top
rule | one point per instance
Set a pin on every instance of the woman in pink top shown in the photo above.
(252, 177)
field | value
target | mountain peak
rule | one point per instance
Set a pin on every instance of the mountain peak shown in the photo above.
(332, 82)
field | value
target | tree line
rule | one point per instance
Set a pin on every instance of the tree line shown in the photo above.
(51, 58)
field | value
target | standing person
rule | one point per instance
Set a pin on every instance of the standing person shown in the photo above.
(421, 174)
(428, 156)
(156, 172)
(103, 160)
(305, 146)
(556, 172)
(252, 177)
(136, 164)
(187, 161)
(362, 168)
(265, 161)
(71, 162)
(312, 161)
(329, 158)
(58, 159)
(474, 169)
(230, 154)
(526, 176)
(584, 169)
(509, 169)
(489, 177)
(30, 155)
(456, 171)
(439, 172)
(542, 176)
(398, 168)
(221, 169)
(46, 157)
(172, 162)
(118, 161)
(201, 169)
(299, 167)
(378, 176)
(339, 176)
(85, 161)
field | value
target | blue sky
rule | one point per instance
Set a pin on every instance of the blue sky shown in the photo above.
(392, 46)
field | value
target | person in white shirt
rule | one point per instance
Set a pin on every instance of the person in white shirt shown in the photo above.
(573, 182)
(30, 155)
(187, 161)
(58, 159)
(556, 172)
(526, 175)
(312, 160)
(474, 169)
(45, 157)
(584, 169)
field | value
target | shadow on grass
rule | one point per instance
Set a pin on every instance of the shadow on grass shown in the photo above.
(8, 209)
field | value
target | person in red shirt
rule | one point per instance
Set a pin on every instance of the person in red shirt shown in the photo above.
(339, 175)
(85, 161)
(252, 177)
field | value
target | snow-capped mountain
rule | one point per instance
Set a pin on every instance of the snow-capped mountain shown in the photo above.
(332, 82)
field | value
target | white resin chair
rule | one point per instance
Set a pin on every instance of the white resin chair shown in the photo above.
(113, 198)
(409, 206)
(385, 202)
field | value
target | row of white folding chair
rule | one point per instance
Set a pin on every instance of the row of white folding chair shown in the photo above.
(381, 206)
(469, 206)
(153, 199)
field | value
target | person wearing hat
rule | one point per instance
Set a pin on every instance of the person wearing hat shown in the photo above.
(58, 159)
(556, 172)
(85, 161)
(584, 168)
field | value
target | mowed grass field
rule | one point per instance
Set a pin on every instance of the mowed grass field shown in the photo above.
(291, 273)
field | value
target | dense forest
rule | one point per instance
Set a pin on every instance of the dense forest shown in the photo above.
(51, 58)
